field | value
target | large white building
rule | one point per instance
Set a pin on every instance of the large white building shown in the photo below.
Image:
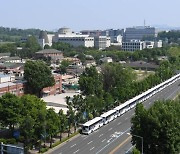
(67, 36)
(134, 45)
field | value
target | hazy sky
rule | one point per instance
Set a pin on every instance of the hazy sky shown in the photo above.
(88, 14)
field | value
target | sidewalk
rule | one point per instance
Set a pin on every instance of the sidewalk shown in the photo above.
(50, 151)
(55, 140)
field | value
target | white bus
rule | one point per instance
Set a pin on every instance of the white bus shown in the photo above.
(92, 125)
(109, 116)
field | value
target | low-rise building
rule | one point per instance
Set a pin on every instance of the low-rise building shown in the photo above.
(141, 65)
(16, 87)
(106, 60)
(53, 54)
(53, 90)
(8, 84)
(5, 55)
(12, 60)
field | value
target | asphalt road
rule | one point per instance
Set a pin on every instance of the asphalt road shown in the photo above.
(113, 137)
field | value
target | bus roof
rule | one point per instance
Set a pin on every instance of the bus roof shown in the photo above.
(90, 122)
(107, 113)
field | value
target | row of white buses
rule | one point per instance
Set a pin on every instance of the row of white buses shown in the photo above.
(110, 115)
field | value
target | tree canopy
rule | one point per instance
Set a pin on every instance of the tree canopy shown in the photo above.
(38, 76)
(159, 126)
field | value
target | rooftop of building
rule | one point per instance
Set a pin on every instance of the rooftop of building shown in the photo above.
(141, 64)
(11, 65)
(48, 51)
(8, 84)
(4, 75)
(11, 58)
(5, 54)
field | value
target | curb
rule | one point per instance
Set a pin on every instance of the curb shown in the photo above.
(50, 151)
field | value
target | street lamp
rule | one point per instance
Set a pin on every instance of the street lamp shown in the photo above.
(140, 138)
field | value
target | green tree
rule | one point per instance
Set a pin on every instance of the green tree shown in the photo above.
(62, 123)
(38, 76)
(91, 82)
(52, 124)
(135, 151)
(10, 111)
(32, 44)
(159, 126)
(33, 119)
(64, 65)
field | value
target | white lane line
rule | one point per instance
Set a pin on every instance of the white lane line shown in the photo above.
(73, 145)
(76, 151)
(90, 142)
(110, 129)
(119, 123)
(103, 140)
(129, 149)
(126, 118)
(92, 148)
(85, 138)
(113, 140)
(100, 135)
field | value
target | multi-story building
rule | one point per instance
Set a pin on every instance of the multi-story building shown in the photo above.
(115, 35)
(102, 42)
(139, 33)
(133, 45)
(67, 36)
(91, 32)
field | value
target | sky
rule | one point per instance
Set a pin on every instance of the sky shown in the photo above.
(88, 14)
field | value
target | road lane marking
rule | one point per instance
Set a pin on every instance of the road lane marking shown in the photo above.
(85, 138)
(112, 141)
(90, 142)
(100, 135)
(73, 145)
(119, 123)
(126, 118)
(76, 151)
(110, 129)
(129, 149)
(103, 140)
(92, 148)
(175, 91)
(115, 149)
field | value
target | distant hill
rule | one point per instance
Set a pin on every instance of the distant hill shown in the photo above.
(165, 27)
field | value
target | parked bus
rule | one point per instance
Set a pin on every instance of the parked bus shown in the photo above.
(92, 125)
